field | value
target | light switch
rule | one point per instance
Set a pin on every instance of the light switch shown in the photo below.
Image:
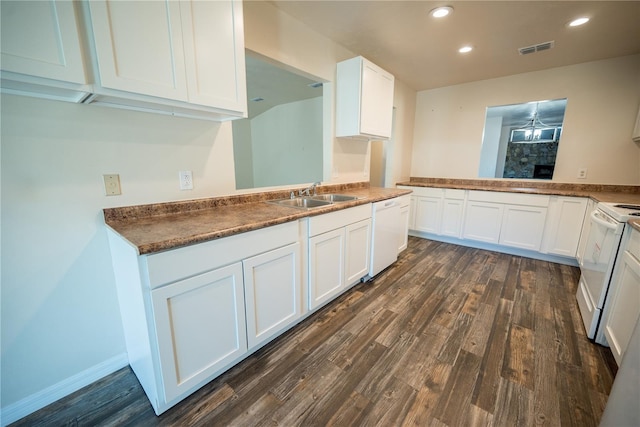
(112, 184)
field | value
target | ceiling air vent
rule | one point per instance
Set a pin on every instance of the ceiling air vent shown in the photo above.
(536, 48)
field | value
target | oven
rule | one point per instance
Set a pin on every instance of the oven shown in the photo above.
(608, 221)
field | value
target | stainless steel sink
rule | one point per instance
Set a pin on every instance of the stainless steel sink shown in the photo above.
(334, 197)
(301, 203)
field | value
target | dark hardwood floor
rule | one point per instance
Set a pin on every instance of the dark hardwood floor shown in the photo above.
(448, 336)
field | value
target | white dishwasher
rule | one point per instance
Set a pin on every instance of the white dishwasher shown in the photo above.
(385, 234)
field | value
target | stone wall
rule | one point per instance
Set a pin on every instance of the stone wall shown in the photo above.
(523, 157)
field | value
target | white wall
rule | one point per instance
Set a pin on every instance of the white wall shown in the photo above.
(242, 153)
(399, 150)
(490, 147)
(287, 144)
(274, 34)
(59, 305)
(603, 98)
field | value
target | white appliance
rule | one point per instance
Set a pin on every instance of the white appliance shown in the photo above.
(385, 234)
(608, 221)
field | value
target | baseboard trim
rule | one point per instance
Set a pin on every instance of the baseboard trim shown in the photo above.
(496, 248)
(39, 400)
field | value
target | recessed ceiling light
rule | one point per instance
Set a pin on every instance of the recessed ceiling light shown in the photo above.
(578, 22)
(441, 12)
(465, 49)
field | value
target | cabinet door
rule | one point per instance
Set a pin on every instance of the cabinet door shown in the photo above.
(623, 313)
(139, 47)
(213, 35)
(41, 38)
(326, 267)
(376, 105)
(522, 226)
(482, 221)
(412, 213)
(404, 236)
(357, 251)
(452, 217)
(584, 233)
(428, 214)
(564, 224)
(200, 327)
(272, 292)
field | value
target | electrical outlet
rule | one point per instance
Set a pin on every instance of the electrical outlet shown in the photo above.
(186, 180)
(582, 173)
(112, 185)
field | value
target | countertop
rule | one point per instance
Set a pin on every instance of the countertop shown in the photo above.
(598, 192)
(163, 226)
(159, 227)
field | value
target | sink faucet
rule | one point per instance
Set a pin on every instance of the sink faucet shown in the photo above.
(307, 191)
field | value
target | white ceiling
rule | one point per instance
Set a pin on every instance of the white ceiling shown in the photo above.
(402, 38)
(275, 85)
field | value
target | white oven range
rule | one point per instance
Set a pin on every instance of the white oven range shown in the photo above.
(608, 222)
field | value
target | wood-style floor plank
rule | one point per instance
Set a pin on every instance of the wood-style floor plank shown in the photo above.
(448, 336)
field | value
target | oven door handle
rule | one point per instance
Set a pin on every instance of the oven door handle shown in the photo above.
(603, 222)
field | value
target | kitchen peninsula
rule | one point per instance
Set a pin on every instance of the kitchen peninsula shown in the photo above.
(203, 284)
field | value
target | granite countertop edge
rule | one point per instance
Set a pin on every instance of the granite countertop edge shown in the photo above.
(160, 227)
(597, 192)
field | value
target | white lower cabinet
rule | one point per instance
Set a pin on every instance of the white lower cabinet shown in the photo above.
(453, 207)
(326, 267)
(545, 224)
(482, 221)
(192, 312)
(584, 232)
(506, 219)
(522, 226)
(405, 218)
(452, 216)
(199, 327)
(563, 226)
(622, 308)
(272, 293)
(357, 251)
(339, 252)
(428, 209)
(428, 214)
(437, 211)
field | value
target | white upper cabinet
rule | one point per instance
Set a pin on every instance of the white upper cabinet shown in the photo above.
(139, 47)
(364, 100)
(183, 58)
(213, 36)
(41, 50)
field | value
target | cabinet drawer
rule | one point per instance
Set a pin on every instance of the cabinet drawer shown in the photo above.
(333, 220)
(509, 198)
(428, 191)
(169, 266)
(454, 194)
